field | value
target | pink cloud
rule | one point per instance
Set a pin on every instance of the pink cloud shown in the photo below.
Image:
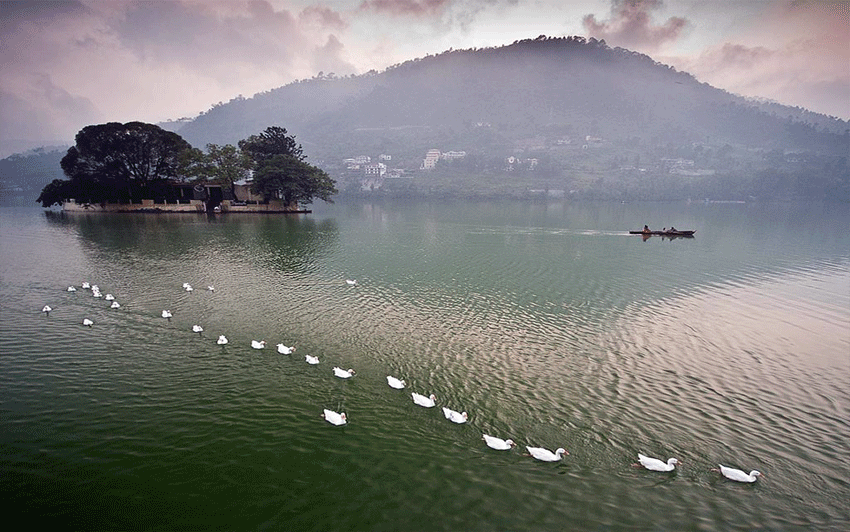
(323, 17)
(328, 58)
(732, 56)
(70, 63)
(810, 72)
(405, 7)
(631, 25)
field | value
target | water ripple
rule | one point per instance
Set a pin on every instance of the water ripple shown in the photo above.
(552, 336)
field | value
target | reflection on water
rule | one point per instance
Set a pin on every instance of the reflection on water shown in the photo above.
(547, 323)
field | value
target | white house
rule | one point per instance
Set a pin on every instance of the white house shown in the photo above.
(431, 159)
(375, 169)
(453, 155)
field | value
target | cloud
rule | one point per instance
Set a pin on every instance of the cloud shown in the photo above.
(328, 58)
(13, 13)
(39, 38)
(417, 8)
(801, 58)
(45, 111)
(70, 63)
(227, 41)
(794, 52)
(323, 17)
(631, 25)
(809, 73)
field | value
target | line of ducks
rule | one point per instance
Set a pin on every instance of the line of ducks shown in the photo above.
(493, 442)
(539, 453)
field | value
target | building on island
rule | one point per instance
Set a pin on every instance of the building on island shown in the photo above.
(197, 198)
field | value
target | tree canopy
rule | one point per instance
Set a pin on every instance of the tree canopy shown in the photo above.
(280, 170)
(271, 142)
(117, 162)
(225, 165)
(135, 150)
(128, 162)
(292, 180)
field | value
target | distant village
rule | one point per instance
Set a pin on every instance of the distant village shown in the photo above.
(379, 173)
(375, 175)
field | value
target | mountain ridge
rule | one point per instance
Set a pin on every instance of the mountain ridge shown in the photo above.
(566, 82)
(562, 115)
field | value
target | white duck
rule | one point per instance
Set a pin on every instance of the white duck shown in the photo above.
(334, 418)
(115, 305)
(96, 293)
(737, 475)
(46, 309)
(189, 288)
(186, 285)
(258, 345)
(421, 400)
(87, 322)
(197, 328)
(654, 464)
(222, 340)
(72, 289)
(211, 288)
(351, 282)
(343, 373)
(455, 417)
(166, 314)
(398, 384)
(311, 359)
(85, 285)
(283, 350)
(109, 297)
(498, 443)
(546, 455)
(95, 288)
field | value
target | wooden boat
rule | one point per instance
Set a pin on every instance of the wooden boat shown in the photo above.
(663, 233)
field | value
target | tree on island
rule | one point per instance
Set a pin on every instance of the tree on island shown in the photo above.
(118, 162)
(273, 141)
(125, 163)
(280, 170)
(292, 180)
(225, 165)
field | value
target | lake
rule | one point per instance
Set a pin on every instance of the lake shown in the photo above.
(546, 323)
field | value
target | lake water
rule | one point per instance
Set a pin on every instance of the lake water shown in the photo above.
(547, 323)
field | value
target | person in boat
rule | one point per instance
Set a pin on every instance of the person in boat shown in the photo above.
(646, 229)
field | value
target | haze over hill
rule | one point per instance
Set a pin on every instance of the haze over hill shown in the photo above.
(523, 100)
(549, 114)
(569, 84)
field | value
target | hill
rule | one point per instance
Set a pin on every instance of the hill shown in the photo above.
(566, 84)
(23, 175)
(582, 116)
(547, 116)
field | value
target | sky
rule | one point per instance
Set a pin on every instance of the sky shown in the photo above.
(67, 64)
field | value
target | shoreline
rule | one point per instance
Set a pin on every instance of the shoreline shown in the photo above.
(194, 206)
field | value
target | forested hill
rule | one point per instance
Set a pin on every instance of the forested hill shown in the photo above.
(496, 97)
(550, 116)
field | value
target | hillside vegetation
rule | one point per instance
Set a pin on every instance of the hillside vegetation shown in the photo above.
(593, 121)
(546, 116)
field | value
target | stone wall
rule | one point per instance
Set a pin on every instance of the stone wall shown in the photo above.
(196, 206)
(144, 206)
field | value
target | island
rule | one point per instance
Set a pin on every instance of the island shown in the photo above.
(138, 167)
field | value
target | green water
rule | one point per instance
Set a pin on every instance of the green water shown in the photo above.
(548, 324)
